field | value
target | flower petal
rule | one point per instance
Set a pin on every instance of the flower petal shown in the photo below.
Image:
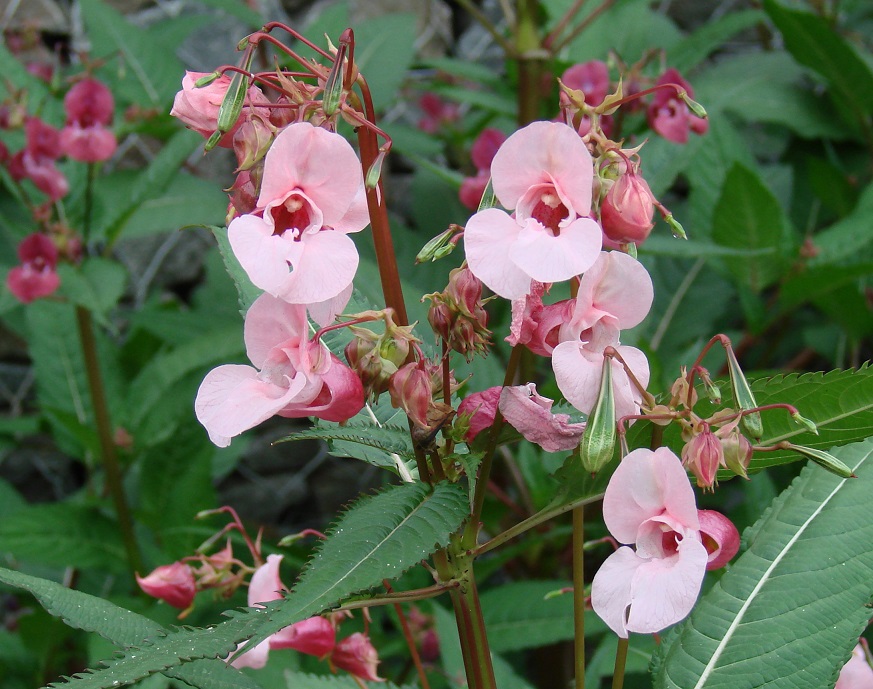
(577, 373)
(611, 589)
(530, 414)
(271, 323)
(266, 585)
(544, 152)
(265, 257)
(488, 239)
(232, 399)
(324, 269)
(616, 285)
(548, 258)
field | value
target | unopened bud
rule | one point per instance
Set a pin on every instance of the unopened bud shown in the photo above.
(806, 423)
(412, 391)
(824, 459)
(598, 440)
(230, 110)
(743, 396)
(438, 247)
(627, 210)
(171, 583)
(737, 452)
(675, 226)
(693, 105)
(251, 141)
(375, 171)
(207, 79)
(713, 392)
(703, 455)
(720, 538)
(333, 87)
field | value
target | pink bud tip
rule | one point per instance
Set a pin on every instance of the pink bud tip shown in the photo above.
(171, 583)
(720, 536)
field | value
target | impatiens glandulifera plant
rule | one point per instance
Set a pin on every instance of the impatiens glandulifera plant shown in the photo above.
(574, 207)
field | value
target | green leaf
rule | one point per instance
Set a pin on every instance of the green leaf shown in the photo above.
(151, 182)
(747, 216)
(790, 610)
(384, 48)
(518, 615)
(121, 627)
(97, 285)
(813, 43)
(710, 37)
(850, 236)
(236, 9)
(387, 439)
(63, 535)
(378, 538)
(245, 289)
(305, 680)
(840, 403)
(155, 71)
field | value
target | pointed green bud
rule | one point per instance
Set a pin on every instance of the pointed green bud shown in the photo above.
(206, 80)
(675, 227)
(825, 460)
(438, 247)
(231, 108)
(743, 396)
(693, 105)
(489, 200)
(598, 440)
(333, 87)
(806, 423)
(632, 250)
(375, 171)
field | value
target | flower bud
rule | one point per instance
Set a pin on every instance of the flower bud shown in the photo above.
(703, 455)
(478, 411)
(411, 390)
(356, 655)
(825, 460)
(171, 583)
(719, 536)
(252, 140)
(457, 316)
(743, 395)
(627, 210)
(440, 246)
(315, 636)
(737, 452)
(598, 440)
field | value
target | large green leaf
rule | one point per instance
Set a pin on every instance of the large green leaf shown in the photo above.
(384, 50)
(377, 538)
(850, 237)
(121, 627)
(246, 290)
(814, 43)
(389, 440)
(790, 610)
(63, 535)
(97, 285)
(710, 37)
(748, 216)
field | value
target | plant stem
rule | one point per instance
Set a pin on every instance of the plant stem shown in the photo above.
(579, 595)
(480, 17)
(531, 58)
(108, 454)
(471, 629)
(620, 661)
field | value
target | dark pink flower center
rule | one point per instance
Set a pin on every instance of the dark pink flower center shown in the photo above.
(294, 214)
(549, 211)
(670, 542)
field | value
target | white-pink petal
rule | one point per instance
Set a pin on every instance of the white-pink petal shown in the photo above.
(271, 322)
(266, 258)
(530, 414)
(488, 240)
(618, 287)
(544, 152)
(548, 258)
(611, 589)
(324, 269)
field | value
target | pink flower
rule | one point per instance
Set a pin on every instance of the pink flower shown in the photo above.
(669, 115)
(411, 390)
(437, 113)
(315, 636)
(293, 377)
(86, 136)
(198, 107)
(649, 503)
(36, 161)
(36, 276)
(312, 196)
(472, 189)
(615, 294)
(482, 408)
(356, 655)
(544, 174)
(531, 415)
(592, 78)
(720, 538)
(482, 154)
(627, 210)
(857, 673)
(171, 583)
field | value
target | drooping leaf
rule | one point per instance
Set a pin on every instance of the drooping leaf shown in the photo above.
(790, 610)
(388, 439)
(377, 538)
(747, 216)
(121, 627)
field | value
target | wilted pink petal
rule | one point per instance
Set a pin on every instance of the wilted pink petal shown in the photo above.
(315, 636)
(171, 583)
(482, 406)
(857, 673)
(356, 655)
(525, 312)
(720, 537)
(650, 503)
(530, 414)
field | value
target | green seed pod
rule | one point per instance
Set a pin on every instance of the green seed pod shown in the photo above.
(745, 400)
(598, 441)
(825, 460)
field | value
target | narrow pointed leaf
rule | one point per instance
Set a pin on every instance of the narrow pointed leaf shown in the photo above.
(377, 538)
(790, 610)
